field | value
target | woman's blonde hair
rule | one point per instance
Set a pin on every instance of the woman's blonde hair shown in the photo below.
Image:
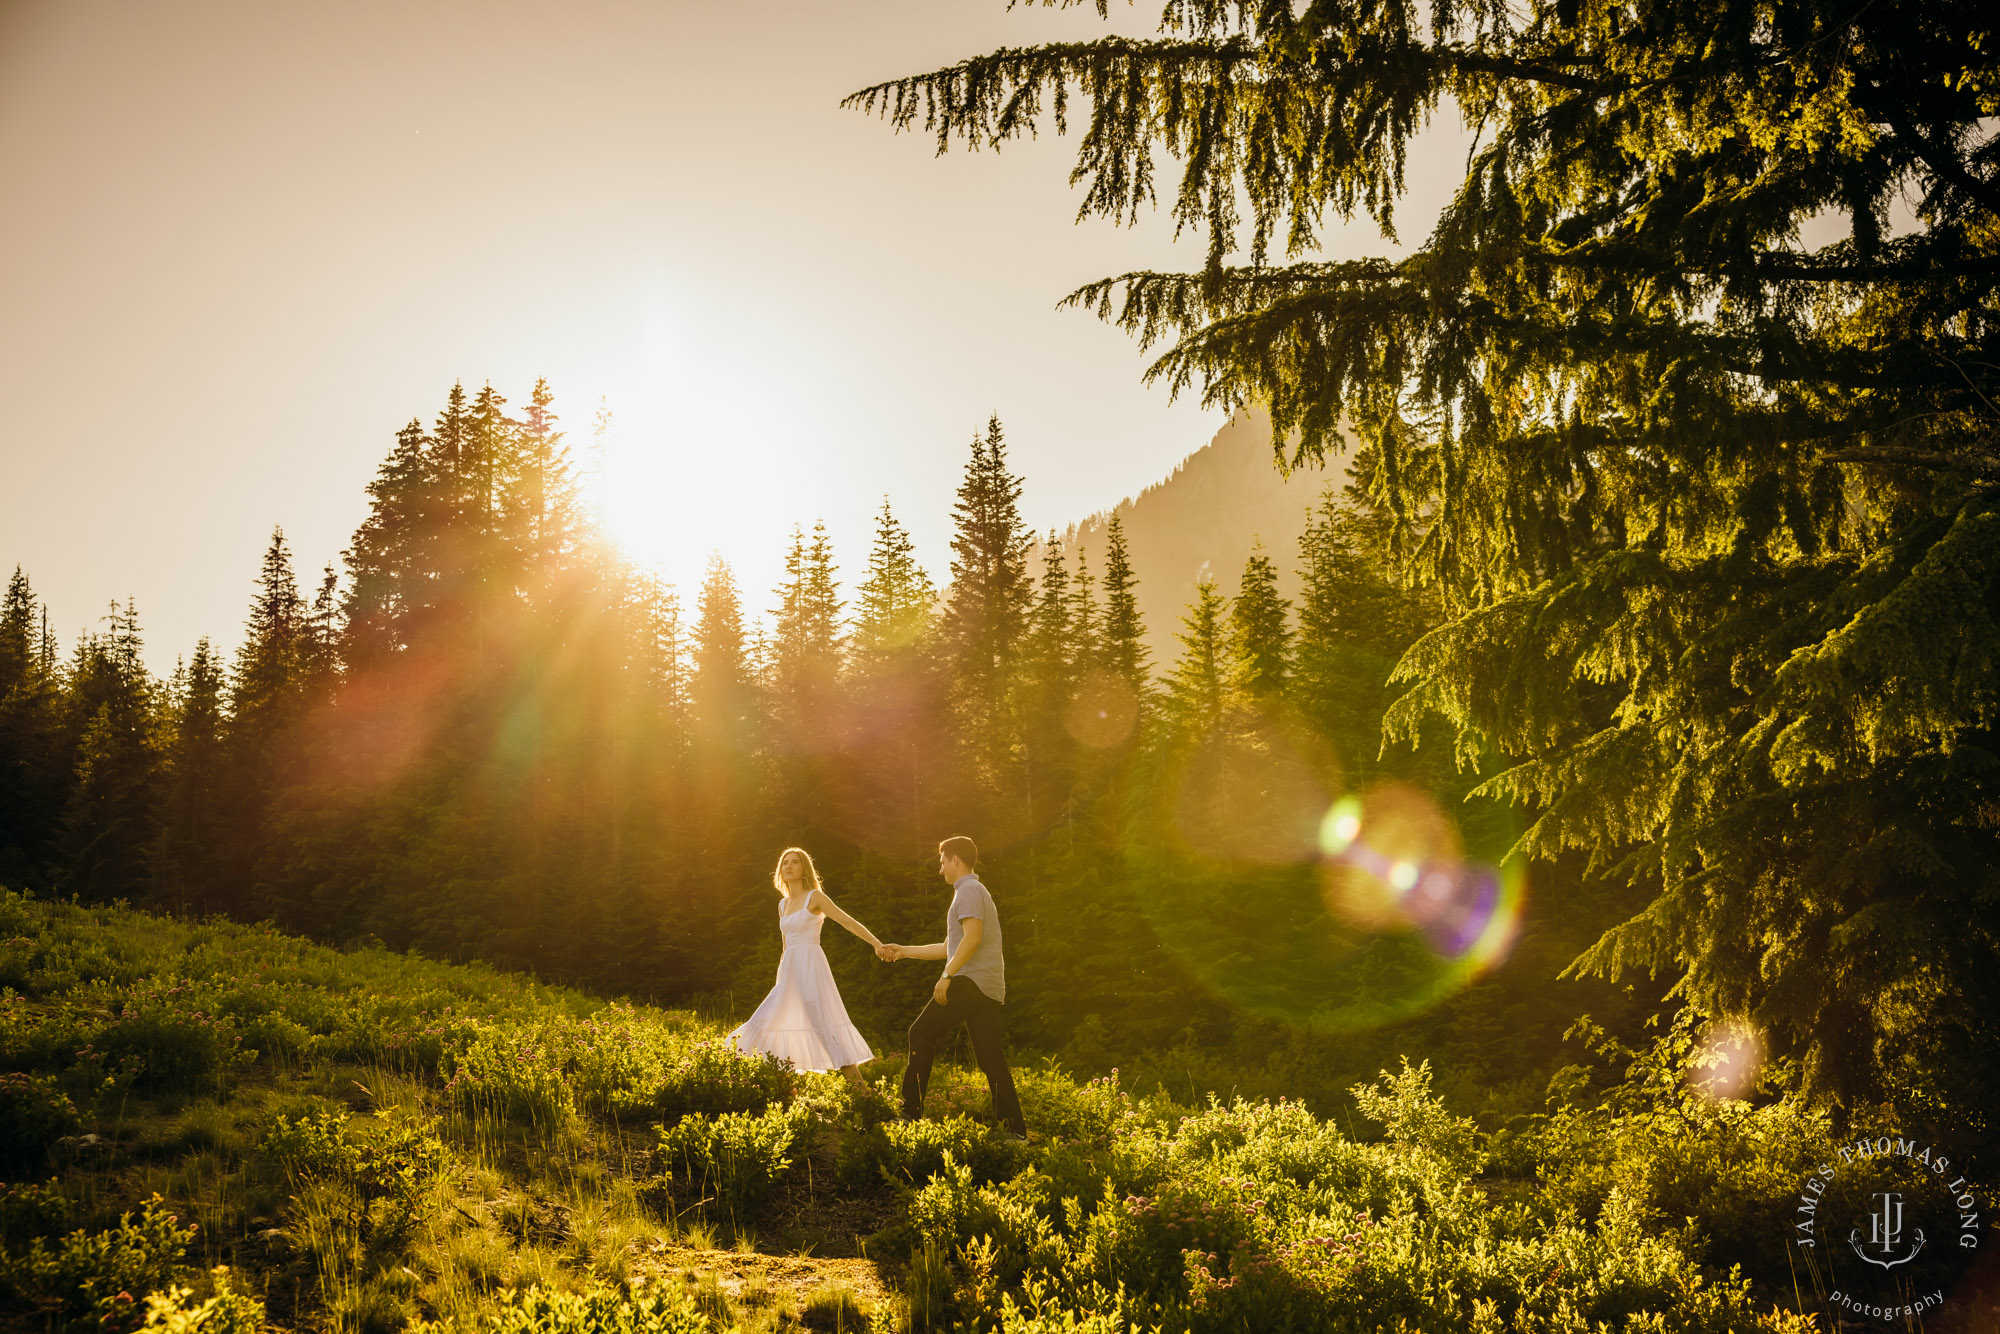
(811, 877)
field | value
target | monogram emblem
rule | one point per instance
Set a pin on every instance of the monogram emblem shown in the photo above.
(1885, 1233)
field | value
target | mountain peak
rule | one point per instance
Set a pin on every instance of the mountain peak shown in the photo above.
(1203, 520)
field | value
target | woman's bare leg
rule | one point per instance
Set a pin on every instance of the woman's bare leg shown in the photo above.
(853, 1073)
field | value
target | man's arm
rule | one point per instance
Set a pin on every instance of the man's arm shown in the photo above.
(919, 951)
(974, 929)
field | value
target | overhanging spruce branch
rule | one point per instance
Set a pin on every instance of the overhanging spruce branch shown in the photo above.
(1054, 62)
(1986, 469)
(962, 98)
(1524, 71)
(1943, 161)
(1779, 267)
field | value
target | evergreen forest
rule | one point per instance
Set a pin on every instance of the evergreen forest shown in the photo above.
(485, 736)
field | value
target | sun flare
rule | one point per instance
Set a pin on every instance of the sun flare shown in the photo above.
(699, 457)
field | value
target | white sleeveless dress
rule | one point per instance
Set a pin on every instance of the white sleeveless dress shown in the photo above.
(802, 1020)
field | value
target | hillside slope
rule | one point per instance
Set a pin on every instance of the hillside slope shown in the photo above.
(231, 1126)
(1205, 517)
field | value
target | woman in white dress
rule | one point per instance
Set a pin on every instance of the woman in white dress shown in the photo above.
(802, 1020)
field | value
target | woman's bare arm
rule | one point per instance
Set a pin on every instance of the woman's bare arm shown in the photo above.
(832, 909)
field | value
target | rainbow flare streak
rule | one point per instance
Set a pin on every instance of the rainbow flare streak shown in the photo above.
(1469, 913)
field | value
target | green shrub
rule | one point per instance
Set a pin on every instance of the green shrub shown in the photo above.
(1413, 1119)
(41, 1036)
(34, 1114)
(400, 1163)
(314, 1145)
(423, 1042)
(94, 1280)
(274, 1037)
(915, 1151)
(735, 1160)
(514, 1073)
(226, 1311)
(1043, 1311)
(178, 1044)
(1731, 1168)
(1132, 1163)
(709, 1077)
(28, 1211)
(1293, 1162)
(1006, 1227)
(1141, 1242)
(831, 1099)
(1095, 1112)
(664, 1308)
(52, 948)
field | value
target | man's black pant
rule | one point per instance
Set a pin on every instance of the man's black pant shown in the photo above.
(981, 1015)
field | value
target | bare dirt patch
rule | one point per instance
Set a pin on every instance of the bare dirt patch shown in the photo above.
(785, 1276)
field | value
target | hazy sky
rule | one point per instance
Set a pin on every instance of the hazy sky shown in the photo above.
(243, 243)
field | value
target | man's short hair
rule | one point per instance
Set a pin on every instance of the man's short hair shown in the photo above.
(961, 847)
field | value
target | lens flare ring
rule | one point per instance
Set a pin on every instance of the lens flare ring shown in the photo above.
(1468, 913)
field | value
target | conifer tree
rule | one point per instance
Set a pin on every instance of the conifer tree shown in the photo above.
(542, 512)
(390, 563)
(670, 669)
(33, 777)
(48, 646)
(1260, 638)
(820, 627)
(18, 650)
(489, 466)
(805, 647)
(108, 820)
(452, 434)
(269, 687)
(896, 605)
(987, 609)
(723, 817)
(1048, 680)
(1050, 646)
(276, 653)
(1709, 510)
(893, 686)
(1198, 686)
(322, 638)
(1082, 634)
(457, 558)
(1355, 619)
(1123, 648)
(803, 693)
(722, 695)
(186, 869)
(488, 472)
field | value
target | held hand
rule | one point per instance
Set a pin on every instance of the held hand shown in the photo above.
(942, 991)
(888, 953)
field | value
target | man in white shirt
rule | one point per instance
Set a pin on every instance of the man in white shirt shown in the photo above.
(973, 990)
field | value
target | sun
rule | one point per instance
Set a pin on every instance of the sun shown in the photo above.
(702, 456)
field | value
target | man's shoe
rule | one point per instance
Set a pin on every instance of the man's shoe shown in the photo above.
(1013, 1136)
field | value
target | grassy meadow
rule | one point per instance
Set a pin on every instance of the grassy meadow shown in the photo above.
(209, 1126)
